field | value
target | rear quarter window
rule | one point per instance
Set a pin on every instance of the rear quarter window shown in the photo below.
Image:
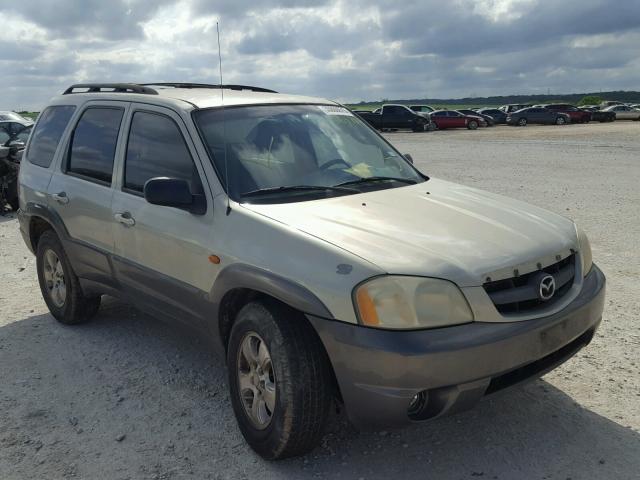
(47, 134)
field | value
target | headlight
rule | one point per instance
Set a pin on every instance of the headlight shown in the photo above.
(398, 302)
(585, 252)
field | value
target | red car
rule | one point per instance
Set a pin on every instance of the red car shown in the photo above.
(576, 114)
(453, 119)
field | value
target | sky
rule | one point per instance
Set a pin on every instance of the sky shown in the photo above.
(345, 50)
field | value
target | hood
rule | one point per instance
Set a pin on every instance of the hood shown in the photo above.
(436, 228)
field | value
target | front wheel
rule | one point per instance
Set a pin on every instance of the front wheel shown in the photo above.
(280, 380)
(522, 122)
(472, 125)
(560, 121)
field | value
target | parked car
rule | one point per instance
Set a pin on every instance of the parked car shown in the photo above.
(610, 103)
(12, 122)
(635, 105)
(422, 108)
(10, 153)
(623, 112)
(576, 115)
(498, 116)
(338, 272)
(452, 119)
(487, 118)
(512, 107)
(601, 116)
(397, 117)
(537, 115)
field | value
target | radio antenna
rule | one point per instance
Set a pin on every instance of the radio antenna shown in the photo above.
(224, 130)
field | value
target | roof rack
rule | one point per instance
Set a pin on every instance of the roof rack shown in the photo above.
(110, 88)
(210, 85)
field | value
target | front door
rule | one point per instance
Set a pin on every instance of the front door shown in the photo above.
(160, 254)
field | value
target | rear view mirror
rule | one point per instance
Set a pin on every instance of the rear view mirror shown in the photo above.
(174, 192)
(409, 158)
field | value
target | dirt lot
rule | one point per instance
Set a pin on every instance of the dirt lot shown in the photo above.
(127, 397)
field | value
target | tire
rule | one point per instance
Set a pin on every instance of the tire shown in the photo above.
(472, 125)
(560, 121)
(73, 307)
(522, 122)
(298, 371)
(431, 127)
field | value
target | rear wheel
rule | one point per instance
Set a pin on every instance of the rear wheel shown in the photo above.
(59, 284)
(472, 125)
(280, 380)
(522, 122)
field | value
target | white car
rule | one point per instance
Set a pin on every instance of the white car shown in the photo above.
(624, 112)
(324, 267)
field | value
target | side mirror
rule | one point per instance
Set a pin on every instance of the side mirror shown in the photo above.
(409, 158)
(174, 192)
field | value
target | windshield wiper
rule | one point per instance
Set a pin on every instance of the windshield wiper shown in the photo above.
(295, 188)
(377, 179)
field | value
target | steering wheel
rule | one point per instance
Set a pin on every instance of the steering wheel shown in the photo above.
(331, 163)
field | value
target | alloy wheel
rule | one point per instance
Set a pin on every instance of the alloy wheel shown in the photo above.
(256, 380)
(54, 278)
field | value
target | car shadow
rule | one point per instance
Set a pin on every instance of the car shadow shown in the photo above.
(127, 396)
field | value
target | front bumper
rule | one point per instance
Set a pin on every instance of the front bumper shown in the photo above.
(379, 372)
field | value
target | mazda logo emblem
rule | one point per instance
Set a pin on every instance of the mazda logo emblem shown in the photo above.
(547, 287)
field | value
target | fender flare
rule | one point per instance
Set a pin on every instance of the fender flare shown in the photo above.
(243, 276)
(37, 210)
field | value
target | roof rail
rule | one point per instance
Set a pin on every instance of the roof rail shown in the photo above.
(209, 85)
(110, 88)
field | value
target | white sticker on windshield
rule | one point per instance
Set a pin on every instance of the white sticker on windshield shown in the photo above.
(335, 110)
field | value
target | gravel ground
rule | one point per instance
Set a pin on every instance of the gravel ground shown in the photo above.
(127, 397)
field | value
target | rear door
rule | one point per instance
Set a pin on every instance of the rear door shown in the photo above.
(161, 256)
(80, 189)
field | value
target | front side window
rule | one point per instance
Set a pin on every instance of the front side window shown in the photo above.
(93, 143)
(47, 134)
(156, 148)
(269, 149)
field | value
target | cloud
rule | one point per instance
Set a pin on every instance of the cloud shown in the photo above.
(347, 50)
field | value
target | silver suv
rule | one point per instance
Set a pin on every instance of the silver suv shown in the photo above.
(322, 264)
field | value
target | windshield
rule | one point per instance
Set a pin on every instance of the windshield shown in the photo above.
(272, 148)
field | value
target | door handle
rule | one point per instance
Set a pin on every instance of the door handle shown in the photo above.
(60, 198)
(125, 218)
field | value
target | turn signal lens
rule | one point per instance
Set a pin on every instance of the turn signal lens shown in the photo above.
(586, 258)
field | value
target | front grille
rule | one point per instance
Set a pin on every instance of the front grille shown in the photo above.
(519, 294)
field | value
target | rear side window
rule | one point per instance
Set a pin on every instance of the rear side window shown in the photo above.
(93, 144)
(156, 148)
(47, 134)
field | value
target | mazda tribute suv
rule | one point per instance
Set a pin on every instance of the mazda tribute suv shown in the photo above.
(324, 267)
